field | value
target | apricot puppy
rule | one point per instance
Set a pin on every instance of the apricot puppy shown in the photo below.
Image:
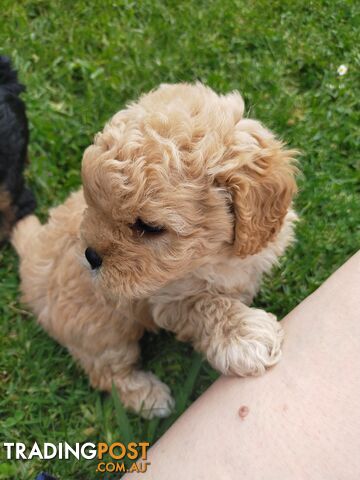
(185, 204)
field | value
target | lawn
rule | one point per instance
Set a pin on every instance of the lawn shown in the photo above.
(81, 62)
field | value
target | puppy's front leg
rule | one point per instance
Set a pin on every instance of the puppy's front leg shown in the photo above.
(106, 345)
(140, 391)
(236, 339)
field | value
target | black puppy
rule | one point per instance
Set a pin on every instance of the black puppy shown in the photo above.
(16, 201)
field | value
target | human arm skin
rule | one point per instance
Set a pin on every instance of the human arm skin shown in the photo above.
(301, 420)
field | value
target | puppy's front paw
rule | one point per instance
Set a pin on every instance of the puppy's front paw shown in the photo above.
(251, 345)
(144, 393)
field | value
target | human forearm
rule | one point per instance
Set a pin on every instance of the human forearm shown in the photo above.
(303, 419)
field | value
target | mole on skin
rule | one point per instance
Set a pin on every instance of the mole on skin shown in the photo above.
(243, 412)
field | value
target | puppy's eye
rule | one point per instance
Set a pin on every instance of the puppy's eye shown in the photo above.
(144, 228)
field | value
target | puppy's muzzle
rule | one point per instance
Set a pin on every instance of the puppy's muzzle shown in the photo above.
(93, 258)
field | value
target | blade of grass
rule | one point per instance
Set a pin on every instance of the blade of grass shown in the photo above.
(123, 421)
(183, 395)
(153, 425)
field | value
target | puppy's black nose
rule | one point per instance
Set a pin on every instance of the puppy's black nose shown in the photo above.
(93, 258)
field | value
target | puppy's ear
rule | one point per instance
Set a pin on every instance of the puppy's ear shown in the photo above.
(260, 176)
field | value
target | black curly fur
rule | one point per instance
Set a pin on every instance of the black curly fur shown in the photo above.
(16, 200)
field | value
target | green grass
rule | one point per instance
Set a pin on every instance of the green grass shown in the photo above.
(82, 61)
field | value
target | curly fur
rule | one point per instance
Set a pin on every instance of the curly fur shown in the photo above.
(220, 186)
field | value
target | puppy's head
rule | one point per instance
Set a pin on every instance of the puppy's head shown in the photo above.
(176, 180)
